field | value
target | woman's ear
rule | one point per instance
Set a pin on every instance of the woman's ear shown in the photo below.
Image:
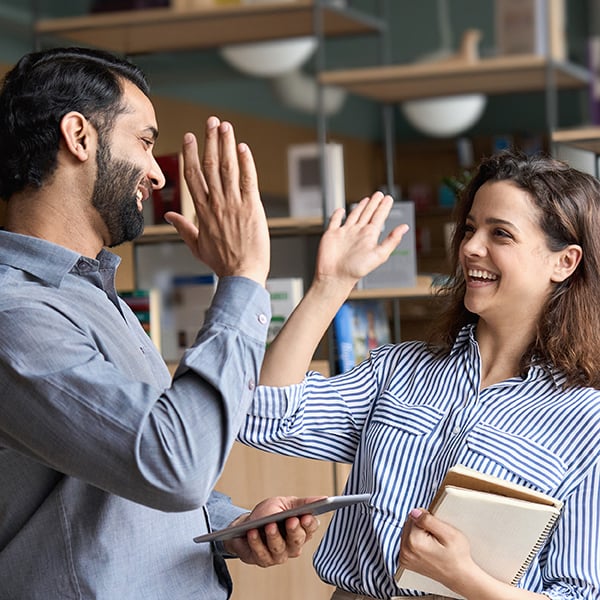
(76, 130)
(567, 262)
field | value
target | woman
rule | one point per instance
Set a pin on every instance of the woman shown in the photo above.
(508, 385)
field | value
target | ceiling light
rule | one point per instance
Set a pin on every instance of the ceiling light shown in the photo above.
(270, 59)
(299, 91)
(446, 116)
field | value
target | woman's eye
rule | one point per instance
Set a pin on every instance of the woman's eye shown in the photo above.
(502, 233)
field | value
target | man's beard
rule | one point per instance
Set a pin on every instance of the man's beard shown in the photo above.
(114, 196)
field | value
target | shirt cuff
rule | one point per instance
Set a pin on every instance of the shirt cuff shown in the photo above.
(237, 298)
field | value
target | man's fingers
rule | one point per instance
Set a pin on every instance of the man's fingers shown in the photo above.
(186, 230)
(248, 175)
(211, 156)
(267, 547)
(276, 543)
(191, 168)
(229, 174)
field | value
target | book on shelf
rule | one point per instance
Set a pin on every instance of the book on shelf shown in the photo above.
(359, 326)
(305, 184)
(191, 296)
(580, 158)
(593, 51)
(531, 27)
(146, 305)
(506, 525)
(285, 293)
(400, 269)
(175, 195)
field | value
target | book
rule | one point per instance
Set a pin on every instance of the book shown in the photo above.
(146, 305)
(359, 326)
(531, 27)
(506, 525)
(175, 195)
(578, 155)
(342, 333)
(594, 68)
(285, 293)
(191, 297)
(400, 269)
(306, 185)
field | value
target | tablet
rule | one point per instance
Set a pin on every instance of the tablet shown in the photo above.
(312, 508)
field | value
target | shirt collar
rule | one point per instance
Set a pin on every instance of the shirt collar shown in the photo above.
(465, 336)
(46, 261)
(535, 372)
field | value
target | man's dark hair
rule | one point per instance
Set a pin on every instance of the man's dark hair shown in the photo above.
(38, 91)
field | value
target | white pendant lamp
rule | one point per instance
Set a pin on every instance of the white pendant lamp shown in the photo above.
(447, 116)
(271, 58)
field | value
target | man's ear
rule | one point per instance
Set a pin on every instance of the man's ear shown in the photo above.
(567, 262)
(76, 131)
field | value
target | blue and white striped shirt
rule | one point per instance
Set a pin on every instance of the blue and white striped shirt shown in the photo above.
(403, 418)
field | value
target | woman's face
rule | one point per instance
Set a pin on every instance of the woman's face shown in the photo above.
(508, 268)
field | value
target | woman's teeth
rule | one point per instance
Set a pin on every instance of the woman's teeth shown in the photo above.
(478, 274)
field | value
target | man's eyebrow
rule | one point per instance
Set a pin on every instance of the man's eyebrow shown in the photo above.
(153, 131)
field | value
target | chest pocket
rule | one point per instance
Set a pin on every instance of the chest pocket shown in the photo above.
(526, 458)
(408, 418)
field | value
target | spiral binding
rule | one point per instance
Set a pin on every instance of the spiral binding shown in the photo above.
(536, 548)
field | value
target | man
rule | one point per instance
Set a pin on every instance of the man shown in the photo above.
(107, 466)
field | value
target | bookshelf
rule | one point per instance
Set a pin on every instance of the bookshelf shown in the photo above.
(424, 288)
(493, 76)
(278, 226)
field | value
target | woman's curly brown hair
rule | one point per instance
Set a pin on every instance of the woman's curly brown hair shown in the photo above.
(568, 332)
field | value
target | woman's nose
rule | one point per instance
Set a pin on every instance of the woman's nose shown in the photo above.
(474, 245)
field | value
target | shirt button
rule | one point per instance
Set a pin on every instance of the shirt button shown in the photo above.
(262, 318)
(251, 384)
(456, 430)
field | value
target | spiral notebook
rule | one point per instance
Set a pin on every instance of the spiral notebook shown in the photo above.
(506, 524)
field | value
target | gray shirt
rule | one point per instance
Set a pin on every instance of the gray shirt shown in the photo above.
(106, 466)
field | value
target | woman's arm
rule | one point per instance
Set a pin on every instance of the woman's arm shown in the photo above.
(347, 252)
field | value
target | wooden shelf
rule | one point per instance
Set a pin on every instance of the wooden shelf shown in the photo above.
(172, 29)
(586, 138)
(280, 226)
(424, 287)
(295, 226)
(492, 76)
